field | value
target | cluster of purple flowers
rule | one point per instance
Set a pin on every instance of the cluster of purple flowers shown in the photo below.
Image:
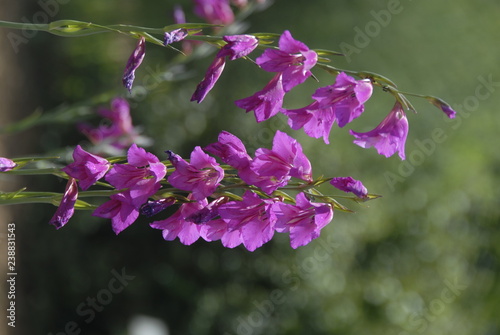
(200, 187)
(292, 62)
(340, 103)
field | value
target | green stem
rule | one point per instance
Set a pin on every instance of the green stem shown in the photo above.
(30, 26)
(32, 172)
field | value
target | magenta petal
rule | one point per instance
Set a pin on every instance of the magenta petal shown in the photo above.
(213, 230)
(302, 234)
(238, 46)
(87, 168)
(288, 44)
(177, 226)
(6, 164)
(231, 239)
(389, 136)
(139, 157)
(303, 221)
(349, 184)
(267, 102)
(252, 217)
(201, 176)
(211, 76)
(256, 233)
(133, 63)
(120, 210)
(67, 205)
(230, 149)
(346, 97)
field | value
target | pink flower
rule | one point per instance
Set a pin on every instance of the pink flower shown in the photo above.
(176, 225)
(67, 205)
(6, 164)
(231, 150)
(120, 209)
(349, 184)
(219, 230)
(252, 217)
(237, 46)
(341, 102)
(142, 175)
(211, 76)
(303, 221)
(275, 167)
(347, 97)
(317, 121)
(293, 59)
(389, 136)
(87, 168)
(201, 175)
(267, 102)
(133, 63)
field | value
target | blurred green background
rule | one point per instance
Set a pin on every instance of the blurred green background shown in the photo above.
(423, 259)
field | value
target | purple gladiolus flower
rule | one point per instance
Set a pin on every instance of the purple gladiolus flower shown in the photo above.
(177, 226)
(341, 102)
(346, 96)
(201, 175)
(214, 11)
(211, 76)
(133, 63)
(142, 175)
(6, 164)
(174, 36)
(252, 217)
(349, 184)
(267, 102)
(87, 168)
(237, 46)
(67, 205)
(303, 221)
(275, 167)
(120, 209)
(293, 59)
(389, 136)
(317, 121)
(231, 150)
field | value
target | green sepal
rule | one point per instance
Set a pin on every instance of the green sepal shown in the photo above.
(324, 52)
